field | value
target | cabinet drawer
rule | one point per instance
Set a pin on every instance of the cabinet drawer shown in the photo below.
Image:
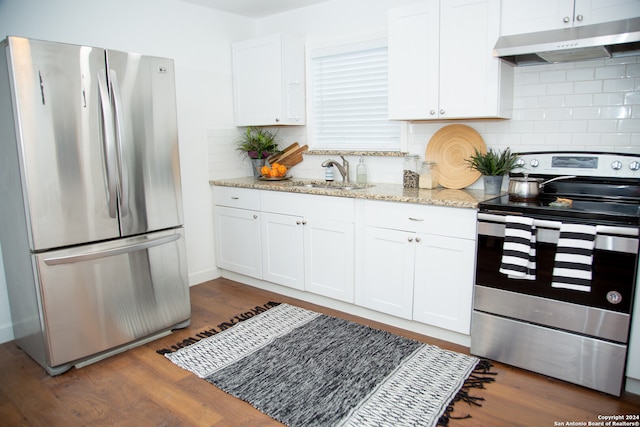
(439, 220)
(308, 205)
(243, 198)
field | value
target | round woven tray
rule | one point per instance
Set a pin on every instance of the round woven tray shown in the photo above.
(449, 147)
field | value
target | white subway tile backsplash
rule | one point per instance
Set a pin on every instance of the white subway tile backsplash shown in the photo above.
(579, 100)
(611, 72)
(602, 126)
(615, 112)
(589, 86)
(619, 85)
(580, 74)
(610, 98)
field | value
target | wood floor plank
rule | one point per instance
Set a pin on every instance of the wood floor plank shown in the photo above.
(142, 388)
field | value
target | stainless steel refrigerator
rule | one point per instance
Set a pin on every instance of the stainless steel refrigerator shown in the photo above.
(91, 206)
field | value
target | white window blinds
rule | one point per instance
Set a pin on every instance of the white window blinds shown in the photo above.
(349, 99)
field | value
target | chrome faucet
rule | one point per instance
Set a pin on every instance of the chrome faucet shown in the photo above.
(342, 168)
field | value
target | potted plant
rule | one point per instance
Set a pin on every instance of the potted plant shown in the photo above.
(493, 165)
(258, 144)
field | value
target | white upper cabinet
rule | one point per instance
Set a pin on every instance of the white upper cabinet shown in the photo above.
(441, 64)
(528, 16)
(268, 81)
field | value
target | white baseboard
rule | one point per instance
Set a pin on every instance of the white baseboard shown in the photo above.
(204, 276)
(632, 385)
(6, 333)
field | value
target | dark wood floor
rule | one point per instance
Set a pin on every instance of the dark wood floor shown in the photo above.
(141, 388)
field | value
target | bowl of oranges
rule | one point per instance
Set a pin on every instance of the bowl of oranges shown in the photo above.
(274, 172)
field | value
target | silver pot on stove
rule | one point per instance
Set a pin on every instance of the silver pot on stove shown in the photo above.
(526, 189)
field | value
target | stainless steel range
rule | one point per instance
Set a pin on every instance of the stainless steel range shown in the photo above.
(556, 275)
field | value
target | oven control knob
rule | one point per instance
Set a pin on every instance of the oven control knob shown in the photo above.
(520, 162)
(617, 165)
(614, 297)
(534, 163)
(634, 166)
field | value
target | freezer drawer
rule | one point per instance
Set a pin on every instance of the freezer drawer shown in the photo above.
(574, 358)
(97, 297)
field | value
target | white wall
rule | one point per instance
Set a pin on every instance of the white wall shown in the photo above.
(198, 39)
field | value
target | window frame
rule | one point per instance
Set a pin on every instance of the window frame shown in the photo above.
(344, 45)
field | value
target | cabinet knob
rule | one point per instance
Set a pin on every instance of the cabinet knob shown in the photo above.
(432, 112)
(277, 120)
(579, 18)
(410, 239)
(442, 111)
(255, 216)
(418, 239)
(566, 19)
(298, 222)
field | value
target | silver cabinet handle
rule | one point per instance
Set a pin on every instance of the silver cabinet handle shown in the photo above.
(87, 256)
(416, 219)
(235, 198)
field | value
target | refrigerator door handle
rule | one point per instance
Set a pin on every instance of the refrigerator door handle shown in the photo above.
(120, 143)
(109, 145)
(87, 256)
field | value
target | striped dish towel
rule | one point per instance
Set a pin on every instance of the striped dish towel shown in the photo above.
(519, 249)
(574, 256)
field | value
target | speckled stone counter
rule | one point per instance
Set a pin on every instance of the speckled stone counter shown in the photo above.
(387, 192)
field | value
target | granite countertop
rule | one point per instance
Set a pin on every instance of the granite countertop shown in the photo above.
(387, 192)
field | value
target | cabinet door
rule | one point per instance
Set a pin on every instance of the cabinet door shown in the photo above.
(257, 76)
(329, 258)
(413, 61)
(387, 279)
(470, 76)
(443, 283)
(528, 16)
(268, 81)
(238, 245)
(589, 12)
(282, 249)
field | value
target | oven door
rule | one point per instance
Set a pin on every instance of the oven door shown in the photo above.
(613, 270)
(604, 312)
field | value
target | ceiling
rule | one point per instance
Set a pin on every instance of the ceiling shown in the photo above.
(255, 8)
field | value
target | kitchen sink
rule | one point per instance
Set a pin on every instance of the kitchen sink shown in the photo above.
(332, 186)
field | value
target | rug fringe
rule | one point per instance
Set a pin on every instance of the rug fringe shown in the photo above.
(221, 327)
(480, 376)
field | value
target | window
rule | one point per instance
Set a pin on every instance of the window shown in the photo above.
(349, 98)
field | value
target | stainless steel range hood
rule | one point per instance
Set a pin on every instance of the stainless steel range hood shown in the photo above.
(571, 44)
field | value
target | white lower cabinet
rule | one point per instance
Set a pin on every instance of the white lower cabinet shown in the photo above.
(238, 234)
(329, 253)
(418, 263)
(282, 246)
(444, 275)
(388, 272)
(308, 243)
(411, 261)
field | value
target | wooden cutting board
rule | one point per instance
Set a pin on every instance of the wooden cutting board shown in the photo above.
(290, 156)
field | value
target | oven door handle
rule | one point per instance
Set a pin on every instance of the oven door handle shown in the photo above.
(555, 225)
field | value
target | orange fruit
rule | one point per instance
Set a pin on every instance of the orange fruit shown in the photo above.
(265, 170)
(282, 170)
(273, 172)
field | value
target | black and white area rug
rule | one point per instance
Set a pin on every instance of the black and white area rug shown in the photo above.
(304, 368)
